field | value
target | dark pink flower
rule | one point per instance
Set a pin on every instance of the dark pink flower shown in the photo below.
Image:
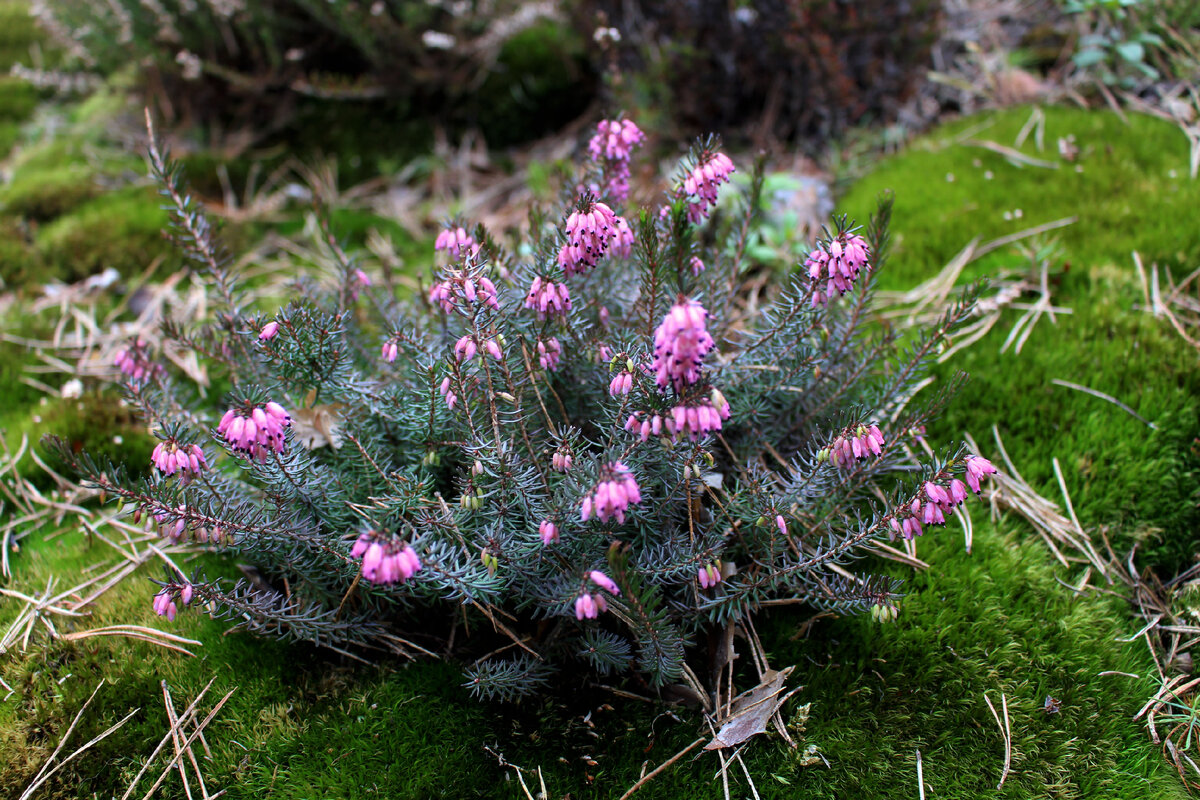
(455, 241)
(978, 467)
(549, 352)
(680, 344)
(255, 430)
(701, 184)
(710, 575)
(548, 298)
(171, 457)
(835, 265)
(614, 493)
(590, 232)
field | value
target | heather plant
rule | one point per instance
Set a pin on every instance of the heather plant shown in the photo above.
(582, 449)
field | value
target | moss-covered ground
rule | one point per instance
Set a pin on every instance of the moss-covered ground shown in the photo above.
(306, 724)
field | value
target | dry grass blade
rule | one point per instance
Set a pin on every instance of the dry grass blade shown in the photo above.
(1005, 732)
(920, 777)
(152, 635)
(1009, 491)
(46, 772)
(1103, 396)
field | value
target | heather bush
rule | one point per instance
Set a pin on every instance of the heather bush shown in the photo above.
(580, 450)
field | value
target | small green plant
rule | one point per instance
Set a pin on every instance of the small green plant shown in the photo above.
(1116, 48)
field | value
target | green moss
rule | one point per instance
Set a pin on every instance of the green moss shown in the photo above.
(1130, 194)
(540, 83)
(43, 195)
(122, 230)
(20, 36)
(19, 262)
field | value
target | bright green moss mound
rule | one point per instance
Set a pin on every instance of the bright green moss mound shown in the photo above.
(1132, 193)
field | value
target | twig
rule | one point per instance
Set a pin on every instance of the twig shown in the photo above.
(654, 772)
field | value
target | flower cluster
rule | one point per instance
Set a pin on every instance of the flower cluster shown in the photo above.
(385, 560)
(164, 604)
(549, 352)
(700, 185)
(135, 362)
(391, 350)
(690, 420)
(710, 575)
(588, 605)
(255, 431)
(548, 531)
(455, 241)
(612, 146)
(464, 286)
(548, 298)
(590, 231)
(171, 457)
(850, 446)
(561, 460)
(451, 397)
(466, 348)
(834, 265)
(978, 467)
(934, 501)
(680, 344)
(615, 492)
(622, 383)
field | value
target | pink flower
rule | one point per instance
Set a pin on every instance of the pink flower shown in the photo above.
(255, 430)
(135, 362)
(781, 524)
(612, 146)
(623, 241)
(710, 575)
(561, 460)
(850, 446)
(958, 492)
(548, 298)
(164, 606)
(586, 607)
(391, 350)
(695, 421)
(268, 331)
(171, 457)
(697, 265)
(700, 185)
(493, 349)
(680, 344)
(621, 383)
(604, 582)
(451, 397)
(549, 352)
(548, 531)
(834, 265)
(978, 467)
(615, 140)
(479, 289)
(385, 560)
(465, 349)
(590, 231)
(614, 493)
(455, 241)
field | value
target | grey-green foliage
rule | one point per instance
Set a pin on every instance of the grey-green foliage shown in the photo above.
(468, 485)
